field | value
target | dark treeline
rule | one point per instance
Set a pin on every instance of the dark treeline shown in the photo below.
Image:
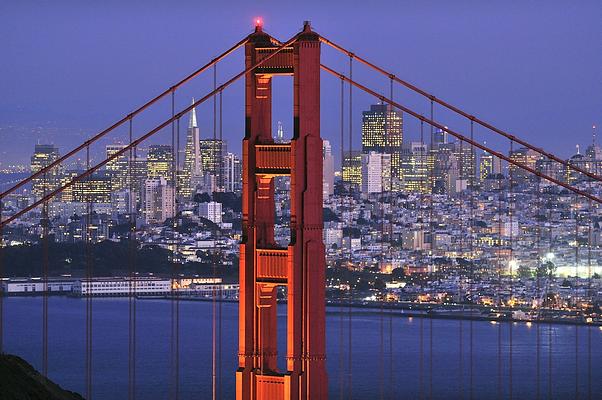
(106, 258)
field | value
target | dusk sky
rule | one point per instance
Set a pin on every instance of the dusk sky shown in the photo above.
(71, 68)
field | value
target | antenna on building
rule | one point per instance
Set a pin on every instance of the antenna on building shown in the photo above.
(594, 135)
(577, 146)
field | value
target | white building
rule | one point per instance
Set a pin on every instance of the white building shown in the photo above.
(31, 286)
(233, 173)
(212, 211)
(333, 236)
(376, 169)
(328, 170)
(148, 286)
(158, 200)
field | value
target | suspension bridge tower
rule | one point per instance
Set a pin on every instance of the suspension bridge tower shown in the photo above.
(263, 265)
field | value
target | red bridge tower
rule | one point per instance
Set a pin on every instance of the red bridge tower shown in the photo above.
(264, 266)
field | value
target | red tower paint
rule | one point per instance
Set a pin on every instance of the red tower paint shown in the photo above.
(264, 266)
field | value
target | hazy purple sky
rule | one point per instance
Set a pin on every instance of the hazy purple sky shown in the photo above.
(71, 68)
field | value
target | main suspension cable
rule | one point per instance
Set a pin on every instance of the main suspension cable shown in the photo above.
(484, 124)
(99, 135)
(150, 133)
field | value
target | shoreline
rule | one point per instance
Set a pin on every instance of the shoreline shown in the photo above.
(403, 310)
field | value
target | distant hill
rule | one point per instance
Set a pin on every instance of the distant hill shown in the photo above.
(20, 381)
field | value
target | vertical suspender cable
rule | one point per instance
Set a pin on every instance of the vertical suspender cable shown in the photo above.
(341, 321)
(422, 190)
(511, 266)
(45, 262)
(89, 274)
(549, 277)
(472, 259)
(1, 279)
(221, 184)
(538, 295)
(499, 285)
(214, 258)
(132, 272)
(391, 156)
(174, 337)
(461, 293)
(176, 251)
(381, 377)
(349, 332)
(589, 293)
(432, 228)
(576, 294)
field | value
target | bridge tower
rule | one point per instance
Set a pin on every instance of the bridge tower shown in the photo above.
(263, 266)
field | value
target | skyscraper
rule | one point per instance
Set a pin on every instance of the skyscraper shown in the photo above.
(160, 162)
(328, 169)
(158, 200)
(233, 173)
(212, 154)
(191, 174)
(118, 168)
(352, 167)
(44, 155)
(382, 132)
(415, 168)
(376, 172)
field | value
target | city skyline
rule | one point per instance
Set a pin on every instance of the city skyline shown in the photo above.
(69, 117)
(334, 203)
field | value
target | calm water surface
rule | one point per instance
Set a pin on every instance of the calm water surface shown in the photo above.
(400, 366)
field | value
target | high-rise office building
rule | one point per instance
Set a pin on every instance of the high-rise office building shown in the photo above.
(213, 152)
(96, 188)
(382, 132)
(233, 173)
(118, 168)
(44, 155)
(191, 175)
(489, 165)
(416, 175)
(158, 202)
(352, 167)
(376, 172)
(160, 162)
(328, 170)
(526, 157)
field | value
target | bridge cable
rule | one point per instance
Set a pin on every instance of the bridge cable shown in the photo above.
(174, 298)
(101, 134)
(146, 135)
(2, 250)
(576, 299)
(89, 278)
(512, 265)
(220, 253)
(461, 112)
(214, 258)
(472, 260)
(432, 250)
(132, 248)
(341, 318)
(461, 293)
(349, 310)
(538, 268)
(45, 267)
(590, 294)
(498, 286)
(390, 226)
(425, 183)
(381, 263)
(549, 276)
